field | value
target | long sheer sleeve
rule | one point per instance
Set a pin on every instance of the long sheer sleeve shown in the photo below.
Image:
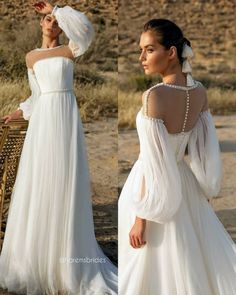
(77, 28)
(27, 105)
(204, 153)
(162, 193)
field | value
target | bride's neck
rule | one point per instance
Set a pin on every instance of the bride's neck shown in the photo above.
(48, 43)
(177, 77)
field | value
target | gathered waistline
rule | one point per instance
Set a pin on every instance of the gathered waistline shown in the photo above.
(57, 90)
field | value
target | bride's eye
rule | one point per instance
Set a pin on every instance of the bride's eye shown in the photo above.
(150, 50)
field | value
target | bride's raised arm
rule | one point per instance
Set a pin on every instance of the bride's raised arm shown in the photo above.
(77, 28)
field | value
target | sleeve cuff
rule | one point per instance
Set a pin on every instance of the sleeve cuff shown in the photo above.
(55, 8)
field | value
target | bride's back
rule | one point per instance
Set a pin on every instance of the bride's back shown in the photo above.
(170, 105)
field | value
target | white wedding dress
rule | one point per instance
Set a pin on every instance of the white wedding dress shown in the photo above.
(49, 244)
(187, 251)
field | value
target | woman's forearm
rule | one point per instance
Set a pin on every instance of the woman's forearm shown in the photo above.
(139, 220)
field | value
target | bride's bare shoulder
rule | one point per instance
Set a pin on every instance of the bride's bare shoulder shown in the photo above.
(30, 53)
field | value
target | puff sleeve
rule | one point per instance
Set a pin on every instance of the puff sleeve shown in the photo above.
(27, 106)
(204, 153)
(162, 194)
(76, 26)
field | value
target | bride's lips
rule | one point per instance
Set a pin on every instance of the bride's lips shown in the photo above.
(145, 66)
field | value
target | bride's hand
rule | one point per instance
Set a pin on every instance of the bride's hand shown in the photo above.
(136, 235)
(15, 115)
(43, 7)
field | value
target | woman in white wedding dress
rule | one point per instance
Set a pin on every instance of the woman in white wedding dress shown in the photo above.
(170, 239)
(50, 245)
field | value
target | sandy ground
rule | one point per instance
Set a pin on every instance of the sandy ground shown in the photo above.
(101, 139)
(225, 204)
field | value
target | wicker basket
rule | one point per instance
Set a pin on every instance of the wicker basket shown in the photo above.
(12, 136)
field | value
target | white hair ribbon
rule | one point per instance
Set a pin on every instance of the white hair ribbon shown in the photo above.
(186, 67)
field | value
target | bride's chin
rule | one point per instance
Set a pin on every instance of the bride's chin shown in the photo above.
(148, 72)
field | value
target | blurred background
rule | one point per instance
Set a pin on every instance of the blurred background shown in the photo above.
(95, 87)
(210, 26)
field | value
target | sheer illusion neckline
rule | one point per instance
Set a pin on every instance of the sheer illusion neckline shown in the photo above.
(50, 57)
(144, 110)
(50, 48)
(196, 83)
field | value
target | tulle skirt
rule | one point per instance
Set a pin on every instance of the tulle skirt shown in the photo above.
(191, 255)
(49, 243)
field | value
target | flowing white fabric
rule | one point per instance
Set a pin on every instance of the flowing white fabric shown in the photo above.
(49, 243)
(76, 26)
(27, 106)
(204, 154)
(189, 252)
(161, 176)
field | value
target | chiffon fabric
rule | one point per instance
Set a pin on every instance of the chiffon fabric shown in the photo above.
(188, 251)
(50, 245)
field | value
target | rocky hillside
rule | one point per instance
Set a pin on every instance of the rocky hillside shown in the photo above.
(209, 25)
(20, 10)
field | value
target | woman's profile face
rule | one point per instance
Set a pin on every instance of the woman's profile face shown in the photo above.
(154, 57)
(50, 26)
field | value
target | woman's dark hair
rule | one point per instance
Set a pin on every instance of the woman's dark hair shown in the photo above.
(168, 34)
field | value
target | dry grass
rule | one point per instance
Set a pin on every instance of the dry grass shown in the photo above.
(221, 102)
(128, 106)
(11, 94)
(97, 100)
(94, 100)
